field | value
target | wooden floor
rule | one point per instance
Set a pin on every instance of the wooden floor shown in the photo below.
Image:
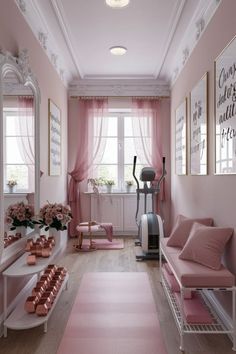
(34, 341)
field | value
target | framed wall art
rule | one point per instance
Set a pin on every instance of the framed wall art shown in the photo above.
(181, 138)
(225, 110)
(198, 128)
(54, 119)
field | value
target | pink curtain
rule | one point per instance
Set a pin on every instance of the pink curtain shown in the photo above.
(92, 125)
(25, 142)
(147, 126)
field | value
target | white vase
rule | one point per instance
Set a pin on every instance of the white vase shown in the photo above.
(109, 188)
(60, 237)
(128, 188)
(11, 189)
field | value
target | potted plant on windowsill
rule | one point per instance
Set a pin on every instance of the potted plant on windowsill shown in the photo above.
(109, 183)
(11, 185)
(129, 185)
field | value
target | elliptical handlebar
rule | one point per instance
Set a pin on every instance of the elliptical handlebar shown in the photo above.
(134, 168)
(137, 190)
(163, 172)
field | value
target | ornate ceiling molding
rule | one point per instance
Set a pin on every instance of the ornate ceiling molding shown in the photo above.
(205, 11)
(35, 20)
(118, 88)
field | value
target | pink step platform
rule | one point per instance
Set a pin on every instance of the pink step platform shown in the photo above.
(195, 312)
(113, 313)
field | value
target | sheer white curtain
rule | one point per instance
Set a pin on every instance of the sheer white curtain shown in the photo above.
(92, 125)
(25, 140)
(147, 129)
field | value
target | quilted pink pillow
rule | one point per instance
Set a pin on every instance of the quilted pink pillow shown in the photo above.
(206, 245)
(182, 228)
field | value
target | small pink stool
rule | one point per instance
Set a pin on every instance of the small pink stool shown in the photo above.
(89, 227)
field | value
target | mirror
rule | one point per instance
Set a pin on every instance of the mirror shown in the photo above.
(19, 146)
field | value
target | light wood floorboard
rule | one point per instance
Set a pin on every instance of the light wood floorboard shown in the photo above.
(34, 341)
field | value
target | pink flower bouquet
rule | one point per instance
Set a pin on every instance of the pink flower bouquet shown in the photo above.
(54, 215)
(20, 214)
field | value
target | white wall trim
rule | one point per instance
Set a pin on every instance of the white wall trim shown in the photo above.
(34, 17)
(175, 21)
(118, 87)
(201, 18)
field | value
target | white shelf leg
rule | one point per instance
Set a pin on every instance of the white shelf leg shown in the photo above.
(45, 327)
(182, 320)
(5, 304)
(234, 320)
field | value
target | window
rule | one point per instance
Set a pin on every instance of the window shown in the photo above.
(120, 145)
(18, 149)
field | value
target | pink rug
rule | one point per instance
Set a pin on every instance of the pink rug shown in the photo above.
(104, 244)
(113, 313)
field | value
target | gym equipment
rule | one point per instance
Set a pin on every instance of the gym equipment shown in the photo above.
(150, 226)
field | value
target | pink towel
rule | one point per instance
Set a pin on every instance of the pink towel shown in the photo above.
(108, 227)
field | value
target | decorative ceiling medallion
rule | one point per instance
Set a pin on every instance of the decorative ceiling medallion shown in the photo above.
(118, 50)
(117, 4)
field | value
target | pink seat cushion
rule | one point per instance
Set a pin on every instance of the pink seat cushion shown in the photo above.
(206, 245)
(85, 228)
(171, 281)
(182, 228)
(195, 275)
(167, 268)
(169, 249)
(173, 284)
(194, 310)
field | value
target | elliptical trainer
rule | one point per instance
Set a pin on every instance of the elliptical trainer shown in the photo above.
(150, 226)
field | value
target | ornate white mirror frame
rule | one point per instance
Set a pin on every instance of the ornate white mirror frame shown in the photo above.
(20, 67)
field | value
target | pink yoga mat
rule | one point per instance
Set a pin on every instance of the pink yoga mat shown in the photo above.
(113, 313)
(104, 244)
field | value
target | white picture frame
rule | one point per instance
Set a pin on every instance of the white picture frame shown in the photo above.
(181, 139)
(198, 127)
(54, 136)
(225, 110)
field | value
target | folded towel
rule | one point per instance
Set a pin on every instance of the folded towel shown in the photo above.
(108, 227)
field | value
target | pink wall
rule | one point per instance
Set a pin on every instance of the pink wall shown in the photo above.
(15, 34)
(206, 195)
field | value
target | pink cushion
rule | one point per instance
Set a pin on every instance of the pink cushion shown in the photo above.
(194, 310)
(194, 275)
(206, 245)
(167, 268)
(85, 228)
(173, 284)
(171, 281)
(182, 228)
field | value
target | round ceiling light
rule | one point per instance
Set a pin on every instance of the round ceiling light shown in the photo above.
(118, 50)
(116, 4)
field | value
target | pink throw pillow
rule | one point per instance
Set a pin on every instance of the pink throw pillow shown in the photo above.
(206, 245)
(182, 228)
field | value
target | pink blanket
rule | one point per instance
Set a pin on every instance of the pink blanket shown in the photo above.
(108, 227)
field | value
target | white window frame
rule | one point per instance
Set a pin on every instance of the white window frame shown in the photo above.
(120, 114)
(11, 111)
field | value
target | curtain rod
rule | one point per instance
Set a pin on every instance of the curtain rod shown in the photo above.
(102, 97)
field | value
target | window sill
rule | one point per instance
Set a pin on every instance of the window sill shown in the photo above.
(112, 193)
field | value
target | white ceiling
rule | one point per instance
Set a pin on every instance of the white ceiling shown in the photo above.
(77, 35)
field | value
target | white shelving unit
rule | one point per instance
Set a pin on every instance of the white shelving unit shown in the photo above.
(19, 319)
